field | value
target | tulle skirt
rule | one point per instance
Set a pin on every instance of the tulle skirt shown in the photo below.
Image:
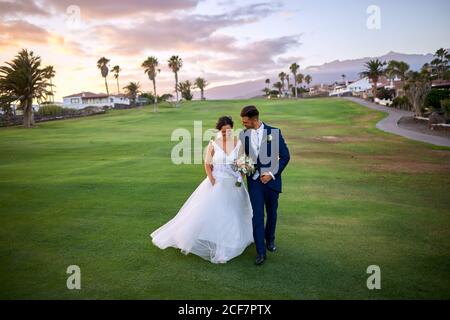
(215, 223)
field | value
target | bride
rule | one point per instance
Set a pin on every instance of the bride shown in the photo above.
(215, 223)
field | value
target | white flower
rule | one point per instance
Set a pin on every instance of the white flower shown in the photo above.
(269, 137)
(244, 165)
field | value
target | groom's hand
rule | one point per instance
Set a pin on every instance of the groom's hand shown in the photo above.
(265, 177)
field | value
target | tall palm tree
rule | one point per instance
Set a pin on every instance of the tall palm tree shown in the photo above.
(299, 78)
(175, 63)
(417, 87)
(397, 69)
(116, 70)
(343, 76)
(132, 90)
(50, 74)
(201, 84)
(267, 83)
(308, 79)
(279, 86)
(440, 62)
(294, 69)
(288, 85)
(24, 80)
(282, 77)
(102, 64)
(374, 70)
(151, 69)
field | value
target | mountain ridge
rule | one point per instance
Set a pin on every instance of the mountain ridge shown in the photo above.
(328, 72)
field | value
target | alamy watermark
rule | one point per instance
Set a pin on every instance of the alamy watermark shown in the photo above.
(190, 148)
(73, 17)
(74, 280)
(374, 280)
(373, 21)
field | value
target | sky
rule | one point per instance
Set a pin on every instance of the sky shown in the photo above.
(222, 41)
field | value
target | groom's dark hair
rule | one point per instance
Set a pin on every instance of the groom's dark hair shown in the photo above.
(250, 112)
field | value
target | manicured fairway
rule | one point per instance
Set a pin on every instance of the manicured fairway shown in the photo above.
(88, 192)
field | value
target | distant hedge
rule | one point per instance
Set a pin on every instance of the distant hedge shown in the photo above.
(54, 110)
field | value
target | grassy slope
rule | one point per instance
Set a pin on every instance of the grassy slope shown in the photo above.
(89, 191)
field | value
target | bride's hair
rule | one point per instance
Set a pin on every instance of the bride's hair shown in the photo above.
(223, 121)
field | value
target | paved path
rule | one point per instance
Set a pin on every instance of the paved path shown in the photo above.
(390, 124)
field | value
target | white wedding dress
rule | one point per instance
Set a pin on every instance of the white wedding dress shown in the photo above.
(215, 223)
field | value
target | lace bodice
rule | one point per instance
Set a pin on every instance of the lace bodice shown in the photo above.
(222, 161)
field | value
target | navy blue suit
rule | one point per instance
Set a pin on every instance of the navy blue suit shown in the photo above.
(273, 157)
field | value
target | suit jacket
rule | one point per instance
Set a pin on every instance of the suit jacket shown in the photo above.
(273, 154)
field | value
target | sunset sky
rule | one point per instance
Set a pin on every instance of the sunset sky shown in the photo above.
(222, 41)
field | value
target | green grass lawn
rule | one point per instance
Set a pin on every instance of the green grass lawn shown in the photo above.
(89, 191)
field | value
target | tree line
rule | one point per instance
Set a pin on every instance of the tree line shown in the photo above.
(284, 86)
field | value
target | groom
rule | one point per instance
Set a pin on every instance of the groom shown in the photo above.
(266, 147)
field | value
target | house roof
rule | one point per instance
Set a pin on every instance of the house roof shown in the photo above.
(441, 84)
(86, 94)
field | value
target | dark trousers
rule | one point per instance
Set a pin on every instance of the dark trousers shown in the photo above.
(262, 196)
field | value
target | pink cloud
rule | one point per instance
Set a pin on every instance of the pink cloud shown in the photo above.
(185, 33)
(14, 34)
(20, 7)
(18, 31)
(118, 8)
(258, 55)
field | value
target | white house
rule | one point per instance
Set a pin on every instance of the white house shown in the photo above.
(339, 90)
(88, 99)
(357, 86)
(360, 85)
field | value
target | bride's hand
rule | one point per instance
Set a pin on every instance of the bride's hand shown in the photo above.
(212, 180)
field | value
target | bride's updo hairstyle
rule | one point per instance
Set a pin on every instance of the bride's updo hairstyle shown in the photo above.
(223, 121)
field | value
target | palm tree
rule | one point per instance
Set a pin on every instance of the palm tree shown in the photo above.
(397, 69)
(175, 64)
(308, 79)
(201, 84)
(23, 80)
(343, 76)
(288, 84)
(151, 69)
(185, 89)
(417, 87)
(294, 69)
(102, 64)
(116, 70)
(132, 90)
(267, 83)
(299, 79)
(440, 62)
(282, 77)
(50, 74)
(278, 85)
(374, 70)
(402, 70)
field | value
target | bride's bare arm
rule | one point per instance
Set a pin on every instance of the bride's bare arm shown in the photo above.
(208, 163)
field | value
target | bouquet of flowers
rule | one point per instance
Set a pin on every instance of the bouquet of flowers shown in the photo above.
(244, 166)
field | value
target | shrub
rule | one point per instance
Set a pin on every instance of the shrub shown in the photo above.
(445, 105)
(434, 98)
(401, 103)
(165, 97)
(50, 110)
(54, 110)
(385, 94)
